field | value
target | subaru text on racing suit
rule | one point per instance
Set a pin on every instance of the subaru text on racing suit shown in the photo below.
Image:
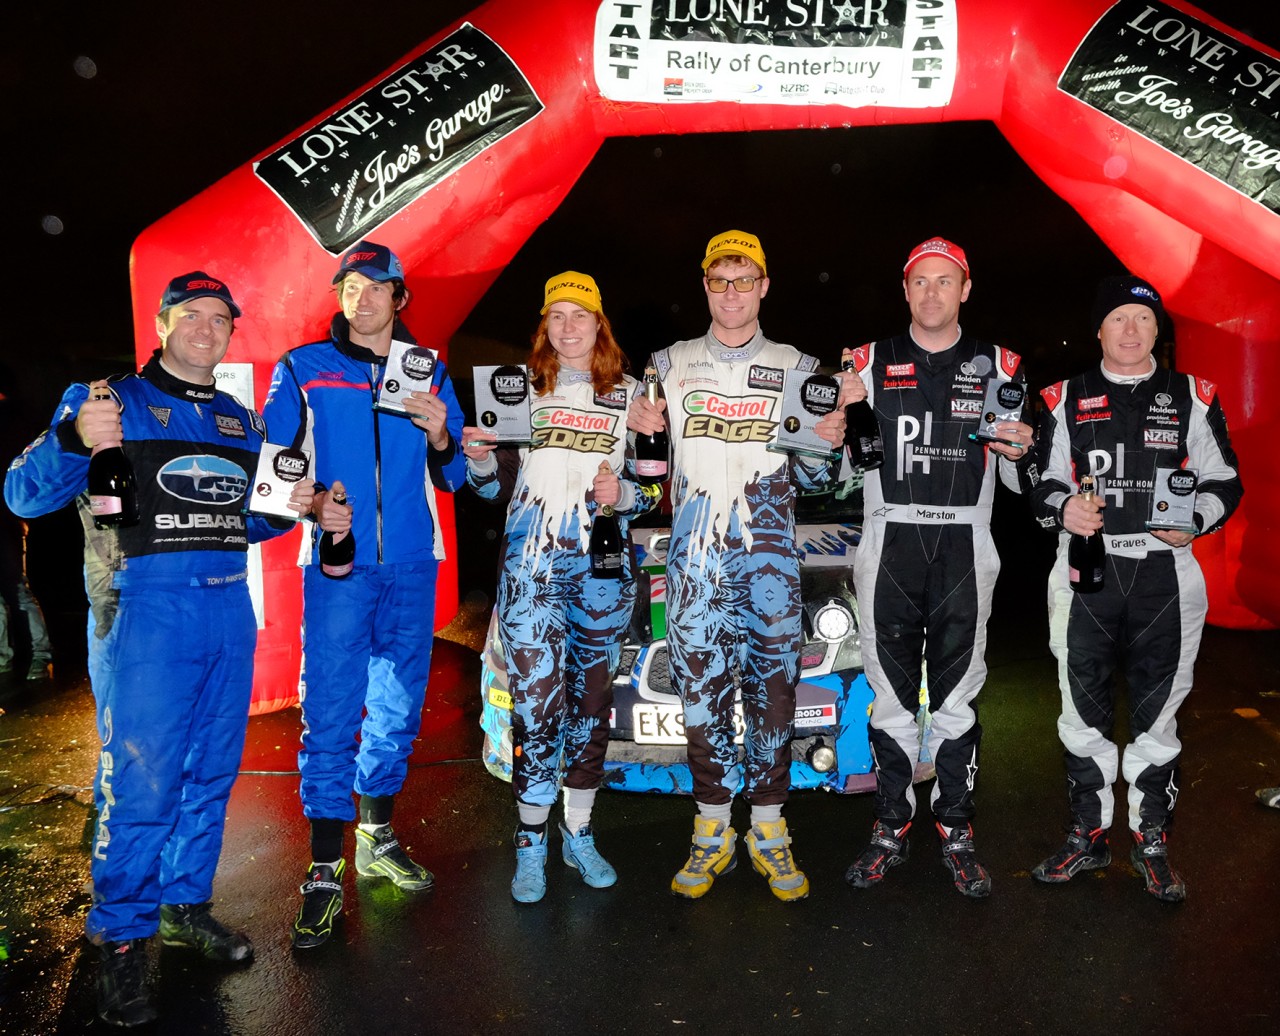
(171, 632)
(1121, 421)
(926, 566)
(368, 636)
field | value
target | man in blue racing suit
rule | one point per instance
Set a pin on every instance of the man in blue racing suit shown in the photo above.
(171, 631)
(368, 634)
(733, 571)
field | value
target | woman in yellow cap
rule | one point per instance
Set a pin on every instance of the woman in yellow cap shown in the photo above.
(561, 625)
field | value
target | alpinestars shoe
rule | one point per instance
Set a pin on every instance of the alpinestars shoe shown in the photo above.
(193, 926)
(886, 849)
(970, 876)
(1269, 797)
(1085, 850)
(379, 854)
(712, 855)
(124, 991)
(580, 852)
(530, 883)
(1150, 857)
(321, 905)
(769, 847)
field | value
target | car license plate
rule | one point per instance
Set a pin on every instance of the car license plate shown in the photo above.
(657, 723)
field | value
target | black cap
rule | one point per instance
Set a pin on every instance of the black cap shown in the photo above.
(197, 285)
(1126, 290)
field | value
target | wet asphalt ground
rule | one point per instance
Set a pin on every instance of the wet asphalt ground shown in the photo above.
(910, 957)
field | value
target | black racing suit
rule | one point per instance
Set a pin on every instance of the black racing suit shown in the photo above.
(1149, 614)
(926, 567)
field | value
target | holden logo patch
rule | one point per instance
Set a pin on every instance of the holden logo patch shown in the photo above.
(968, 368)
(1163, 399)
(203, 479)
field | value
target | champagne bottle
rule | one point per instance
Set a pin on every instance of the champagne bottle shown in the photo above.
(862, 431)
(606, 545)
(1086, 555)
(338, 550)
(652, 451)
(113, 488)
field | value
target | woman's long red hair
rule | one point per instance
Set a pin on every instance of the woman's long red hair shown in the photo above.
(608, 361)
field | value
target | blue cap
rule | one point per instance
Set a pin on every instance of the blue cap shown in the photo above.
(377, 262)
(197, 285)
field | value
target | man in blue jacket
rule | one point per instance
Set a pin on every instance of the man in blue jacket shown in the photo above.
(368, 633)
(171, 631)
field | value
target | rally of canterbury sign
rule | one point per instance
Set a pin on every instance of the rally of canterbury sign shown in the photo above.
(1193, 89)
(361, 165)
(856, 53)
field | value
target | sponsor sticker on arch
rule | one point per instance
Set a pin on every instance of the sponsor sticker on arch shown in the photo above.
(354, 169)
(856, 54)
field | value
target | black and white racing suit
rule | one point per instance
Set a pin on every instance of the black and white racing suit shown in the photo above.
(1149, 614)
(926, 567)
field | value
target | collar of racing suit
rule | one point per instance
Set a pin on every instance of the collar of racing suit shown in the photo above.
(174, 386)
(340, 332)
(729, 354)
(1128, 379)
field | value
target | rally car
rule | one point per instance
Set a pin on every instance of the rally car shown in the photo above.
(646, 750)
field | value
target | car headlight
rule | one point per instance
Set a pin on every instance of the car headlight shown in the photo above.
(833, 622)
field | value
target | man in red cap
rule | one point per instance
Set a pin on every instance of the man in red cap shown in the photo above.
(1143, 427)
(926, 566)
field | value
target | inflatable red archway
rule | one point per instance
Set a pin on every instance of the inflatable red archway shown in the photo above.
(1155, 121)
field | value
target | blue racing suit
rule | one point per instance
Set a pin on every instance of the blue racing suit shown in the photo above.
(561, 629)
(733, 570)
(171, 634)
(367, 639)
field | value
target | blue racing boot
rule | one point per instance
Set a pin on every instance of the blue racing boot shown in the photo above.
(580, 853)
(530, 883)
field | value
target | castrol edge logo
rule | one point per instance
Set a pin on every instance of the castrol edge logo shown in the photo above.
(566, 429)
(729, 418)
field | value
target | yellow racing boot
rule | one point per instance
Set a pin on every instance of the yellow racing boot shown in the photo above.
(712, 855)
(770, 848)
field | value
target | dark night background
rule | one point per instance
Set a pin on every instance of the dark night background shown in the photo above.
(119, 113)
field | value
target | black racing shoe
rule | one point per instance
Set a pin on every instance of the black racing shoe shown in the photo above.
(379, 853)
(970, 876)
(193, 925)
(321, 905)
(886, 849)
(1085, 850)
(1150, 857)
(124, 990)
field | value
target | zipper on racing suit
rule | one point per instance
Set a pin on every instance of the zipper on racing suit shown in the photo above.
(374, 379)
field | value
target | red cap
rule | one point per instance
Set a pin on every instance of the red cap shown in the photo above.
(937, 246)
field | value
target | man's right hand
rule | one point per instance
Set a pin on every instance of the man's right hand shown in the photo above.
(331, 515)
(98, 420)
(1082, 517)
(644, 418)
